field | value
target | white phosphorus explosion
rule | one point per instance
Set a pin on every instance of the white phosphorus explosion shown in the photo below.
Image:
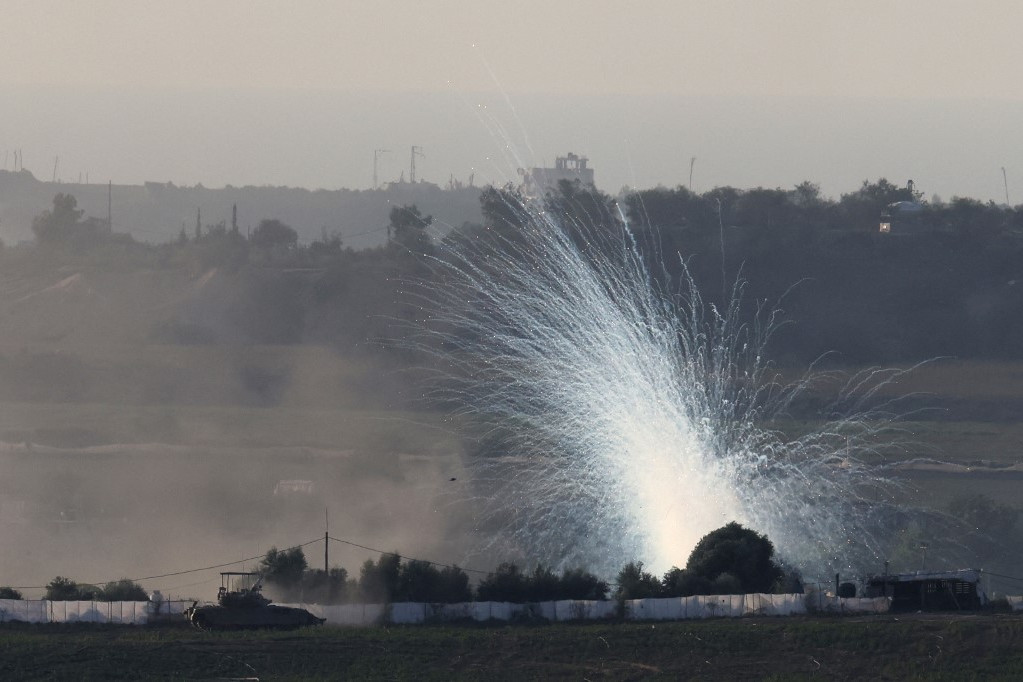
(635, 419)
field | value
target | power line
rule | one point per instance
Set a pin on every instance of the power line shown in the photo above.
(360, 234)
(402, 556)
(260, 556)
(168, 575)
(999, 575)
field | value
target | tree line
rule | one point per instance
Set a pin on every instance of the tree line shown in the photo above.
(729, 560)
(946, 281)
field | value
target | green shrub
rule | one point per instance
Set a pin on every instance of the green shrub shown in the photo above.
(66, 589)
(9, 593)
(123, 590)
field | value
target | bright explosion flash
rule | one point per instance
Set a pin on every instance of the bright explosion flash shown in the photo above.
(635, 420)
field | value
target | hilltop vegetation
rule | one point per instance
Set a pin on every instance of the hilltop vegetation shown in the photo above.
(943, 283)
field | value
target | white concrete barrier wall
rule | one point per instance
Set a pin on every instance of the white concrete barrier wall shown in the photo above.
(849, 605)
(409, 613)
(361, 615)
(34, 611)
(43, 611)
(760, 604)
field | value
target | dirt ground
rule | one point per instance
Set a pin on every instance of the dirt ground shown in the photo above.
(913, 646)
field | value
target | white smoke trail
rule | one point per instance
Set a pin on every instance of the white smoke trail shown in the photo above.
(635, 420)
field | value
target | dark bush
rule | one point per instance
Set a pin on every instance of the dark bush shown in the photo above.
(634, 583)
(579, 584)
(543, 585)
(506, 583)
(123, 590)
(319, 587)
(65, 589)
(736, 559)
(283, 567)
(378, 583)
(681, 583)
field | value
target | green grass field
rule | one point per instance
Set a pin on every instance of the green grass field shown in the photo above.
(932, 647)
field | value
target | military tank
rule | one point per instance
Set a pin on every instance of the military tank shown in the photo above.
(246, 609)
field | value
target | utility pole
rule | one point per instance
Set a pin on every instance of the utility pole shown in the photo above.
(376, 158)
(56, 162)
(692, 162)
(1005, 180)
(326, 543)
(110, 216)
(416, 151)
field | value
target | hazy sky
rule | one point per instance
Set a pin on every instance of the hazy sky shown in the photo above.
(301, 92)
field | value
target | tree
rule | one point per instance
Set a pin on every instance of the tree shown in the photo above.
(502, 209)
(327, 246)
(124, 590)
(543, 585)
(408, 229)
(283, 567)
(62, 589)
(506, 583)
(273, 234)
(635, 583)
(807, 194)
(453, 586)
(378, 583)
(579, 584)
(57, 224)
(65, 589)
(417, 581)
(678, 582)
(9, 593)
(331, 587)
(735, 558)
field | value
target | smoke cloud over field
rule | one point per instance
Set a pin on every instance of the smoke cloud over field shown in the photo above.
(143, 431)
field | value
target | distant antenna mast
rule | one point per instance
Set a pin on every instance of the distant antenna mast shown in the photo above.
(56, 163)
(1005, 180)
(416, 151)
(692, 162)
(376, 159)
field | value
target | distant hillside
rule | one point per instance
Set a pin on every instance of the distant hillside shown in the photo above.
(155, 212)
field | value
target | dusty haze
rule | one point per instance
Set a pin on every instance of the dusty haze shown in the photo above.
(142, 433)
(277, 93)
(125, 454)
